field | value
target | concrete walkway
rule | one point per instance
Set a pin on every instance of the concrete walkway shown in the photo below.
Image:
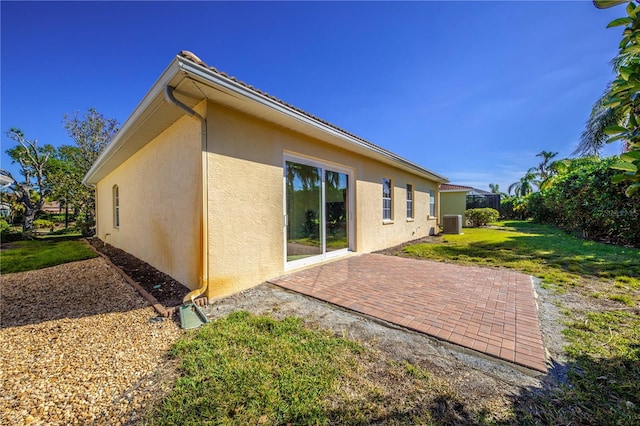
(489, 310)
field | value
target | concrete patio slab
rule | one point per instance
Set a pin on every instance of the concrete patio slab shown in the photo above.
(489, 310)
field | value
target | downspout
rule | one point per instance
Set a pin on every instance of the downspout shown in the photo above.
(204, 228)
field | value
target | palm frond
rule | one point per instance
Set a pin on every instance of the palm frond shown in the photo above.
(593, 137)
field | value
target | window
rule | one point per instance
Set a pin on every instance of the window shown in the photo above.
(409, 201)
(116, 207)
(386, 199)
(432, 203)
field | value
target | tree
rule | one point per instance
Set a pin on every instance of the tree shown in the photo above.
(623, 97)
(544, 169)
(526, 183)
(91, 132)
(603, 115)
(582, 198)
(554, 169)
(65, 178)
(34, 162)
(594, 136)
(625, 100)
(495, 189)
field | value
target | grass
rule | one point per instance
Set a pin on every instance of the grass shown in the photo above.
(603, 343)
(603, 386)
(543, 251)
(42, 253)
(248, 369)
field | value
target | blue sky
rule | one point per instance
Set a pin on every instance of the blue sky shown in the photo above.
(471, 90)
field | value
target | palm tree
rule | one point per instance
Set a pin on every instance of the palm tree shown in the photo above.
(526, 183)
(495, 189)
(593, 138)
(544, 169)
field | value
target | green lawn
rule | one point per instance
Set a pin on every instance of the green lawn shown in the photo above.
(603, 342)
(251, 370)
(539, 250)
(43, 252)
(246, 369)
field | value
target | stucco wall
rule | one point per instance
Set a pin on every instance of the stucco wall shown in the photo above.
(245, 209)
(453, 203)
(160, 203)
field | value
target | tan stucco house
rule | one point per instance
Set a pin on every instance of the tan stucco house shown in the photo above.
(453, 200)
(456, 199)
(257, 187)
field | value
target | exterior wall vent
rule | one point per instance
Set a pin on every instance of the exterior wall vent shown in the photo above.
(452, 224)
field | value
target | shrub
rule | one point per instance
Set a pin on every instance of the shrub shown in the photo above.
(481, 217)
(43, 224)
(57, 218)
(583, 199)
(66, 231)
(8, 235)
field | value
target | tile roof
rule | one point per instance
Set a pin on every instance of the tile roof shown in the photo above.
(192, 57)
(451, 187)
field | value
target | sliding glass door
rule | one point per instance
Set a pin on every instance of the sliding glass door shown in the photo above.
(336, 191)
(317, 211)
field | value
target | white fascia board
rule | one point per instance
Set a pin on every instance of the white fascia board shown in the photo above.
(132, 122)
(207, 76)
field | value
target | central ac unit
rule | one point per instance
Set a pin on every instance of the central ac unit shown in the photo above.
(452, 224)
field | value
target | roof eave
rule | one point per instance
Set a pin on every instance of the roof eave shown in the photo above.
(181, 65)
(132, 123)
(207, 75)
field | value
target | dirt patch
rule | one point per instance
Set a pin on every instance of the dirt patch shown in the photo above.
(397, 250)
(165, 289)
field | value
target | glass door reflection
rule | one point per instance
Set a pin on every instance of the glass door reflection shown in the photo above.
(304, 211)
(336, 211)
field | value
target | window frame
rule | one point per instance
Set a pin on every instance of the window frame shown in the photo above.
(324, 165)
(410, 202)
(387, 202)
(432, 203)
(116, 206)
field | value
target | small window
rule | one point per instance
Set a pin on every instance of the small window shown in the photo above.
(409, 201)
(386, 199)
(116, 207)
(432, 203)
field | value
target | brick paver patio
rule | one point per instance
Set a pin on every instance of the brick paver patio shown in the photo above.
(490, 310)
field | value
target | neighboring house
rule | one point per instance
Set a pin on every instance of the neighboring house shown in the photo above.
(54, 207)
(257, 187)
(455, 199)
(5, 210)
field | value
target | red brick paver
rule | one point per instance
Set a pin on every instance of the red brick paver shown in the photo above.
(490, 310)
